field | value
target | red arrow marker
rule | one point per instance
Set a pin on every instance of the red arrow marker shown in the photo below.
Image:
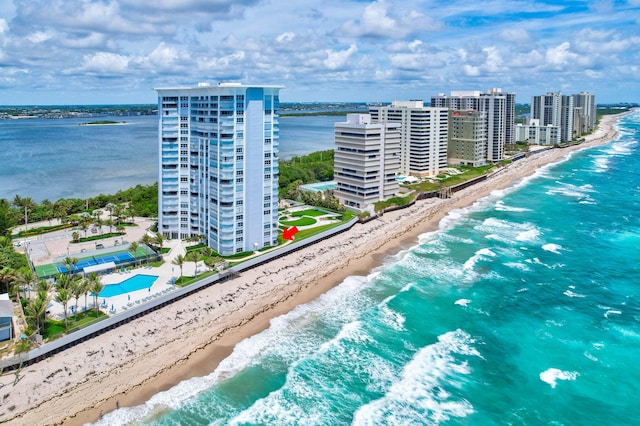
(289, 233)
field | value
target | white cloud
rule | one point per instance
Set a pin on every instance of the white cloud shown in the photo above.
(516, 35)
(340, 46)
(339, 59)
(560, 56)
(103, 64)
(377, 22)
(39, 37)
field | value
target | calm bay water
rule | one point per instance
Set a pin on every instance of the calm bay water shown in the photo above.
(58, 158)
(522, 309)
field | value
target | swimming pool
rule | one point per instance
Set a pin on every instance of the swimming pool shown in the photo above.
(319, 186)
(137, 282)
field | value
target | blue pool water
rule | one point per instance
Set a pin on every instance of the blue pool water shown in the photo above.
(137, 282)
(319, 186)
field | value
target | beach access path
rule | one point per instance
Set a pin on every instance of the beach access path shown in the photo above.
(128, 365)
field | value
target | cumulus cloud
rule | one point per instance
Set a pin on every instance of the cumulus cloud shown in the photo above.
(339, 59)
(103, 64)
(340, 45)
(560, 56)
(377, 22)
(516, 35)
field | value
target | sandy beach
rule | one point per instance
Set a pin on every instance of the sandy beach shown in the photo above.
(189, 338)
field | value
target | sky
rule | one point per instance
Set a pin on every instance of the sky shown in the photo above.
(65, 52)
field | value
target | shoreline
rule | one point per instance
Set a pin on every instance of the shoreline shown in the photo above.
(189, 338)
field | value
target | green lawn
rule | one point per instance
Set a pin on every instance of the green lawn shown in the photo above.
(310, 212)
(303, 221)
(468, 173)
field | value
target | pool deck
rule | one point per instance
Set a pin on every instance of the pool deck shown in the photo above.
(166, 272)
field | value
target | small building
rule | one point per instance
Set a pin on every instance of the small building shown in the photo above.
(6, 317)
(536, 134)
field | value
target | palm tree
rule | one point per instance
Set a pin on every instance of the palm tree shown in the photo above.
(63, 296)
(146, 240)
(69, 262)
(110, 207)
(133, 248)
(95, 287)
(159, 240)
(44, 286)
(179, 261)
(75, 236)
(36, 309)
(118, 212)
(192, 256)
(76, 290)
(23, 279)
(86, 289)
(7, 275)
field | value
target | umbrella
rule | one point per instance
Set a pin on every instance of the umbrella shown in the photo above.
(128, 296)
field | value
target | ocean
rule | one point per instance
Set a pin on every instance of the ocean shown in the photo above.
(521, 309)
(58, 158)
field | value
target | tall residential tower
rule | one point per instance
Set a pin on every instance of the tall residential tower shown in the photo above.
(500, 110)
(218, 176)
(423, 143)
(366, 161)
(555, 109)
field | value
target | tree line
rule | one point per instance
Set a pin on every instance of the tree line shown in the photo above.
(141, 200)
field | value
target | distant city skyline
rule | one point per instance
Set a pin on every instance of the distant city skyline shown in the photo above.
(57, 52)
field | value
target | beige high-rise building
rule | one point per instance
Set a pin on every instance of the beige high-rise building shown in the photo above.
(424, 133)
(587, 114)
(366, 161)
(500, 108)
(467, 138)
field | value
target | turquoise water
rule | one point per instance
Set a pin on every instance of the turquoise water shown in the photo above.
(319, 186)
(136, 282)
(522, 309)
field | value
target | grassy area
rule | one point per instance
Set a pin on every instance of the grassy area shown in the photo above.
(42, 230)
(310, 212)
(98, 237)
(303, 221)
(468, 173)
(54, 328)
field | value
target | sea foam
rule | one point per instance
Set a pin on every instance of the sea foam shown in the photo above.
(553, 248)
(421, 395)
(552, 375)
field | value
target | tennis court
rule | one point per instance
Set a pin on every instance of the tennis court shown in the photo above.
(118, 257)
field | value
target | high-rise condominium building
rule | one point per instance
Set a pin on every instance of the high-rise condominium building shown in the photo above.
(467, 138)
(585, 103)
(423, 140)
(218, 176)
(556, 109)
(366, 161)
(500, 109)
